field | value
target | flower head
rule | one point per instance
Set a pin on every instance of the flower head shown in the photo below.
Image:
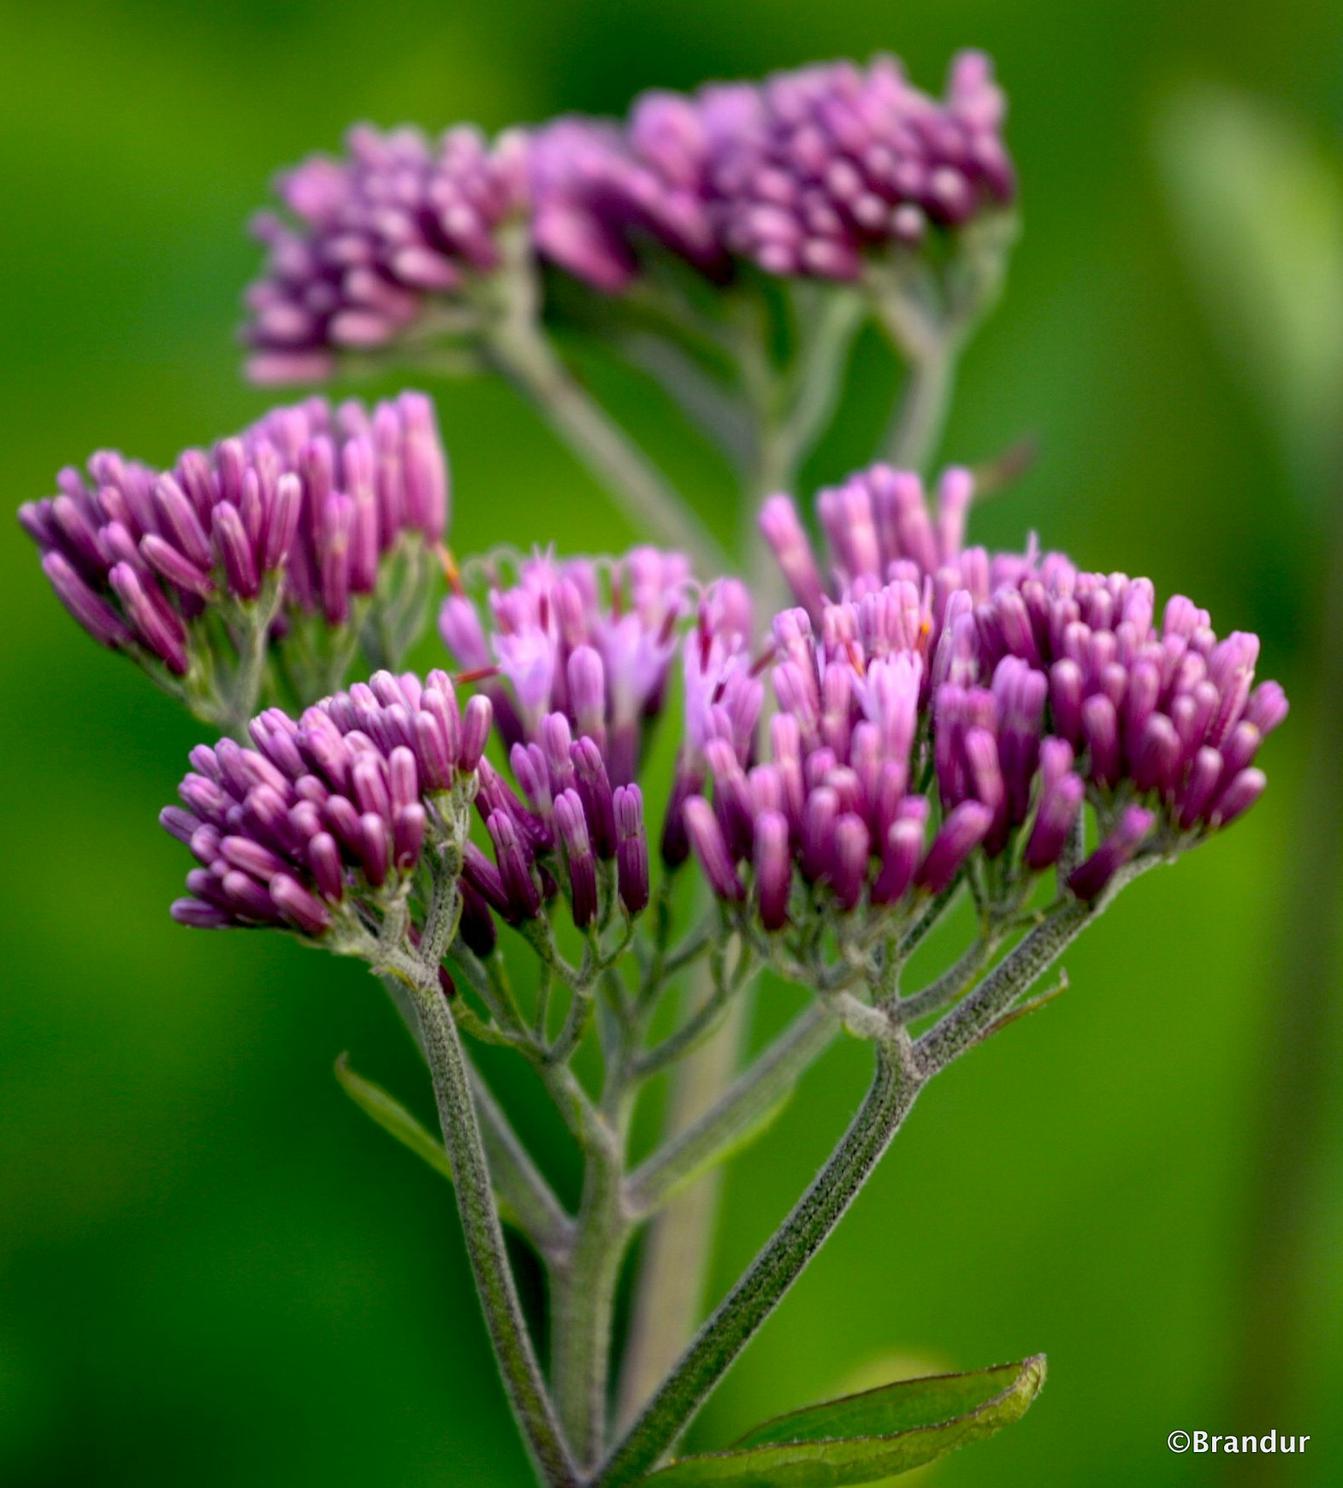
(1161, 718)
(291, 518)
(369, 240)
(325, 820)
(814, 168)
(1025, 688)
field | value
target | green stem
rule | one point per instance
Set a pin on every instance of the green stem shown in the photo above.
(582, 1304)
(719, 1342)
(915, 433)
(485, 1240)
(521, 351)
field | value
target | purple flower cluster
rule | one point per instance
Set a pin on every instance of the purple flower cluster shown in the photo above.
(817, 167)
(576, 661)
(802, 174)
(1159, 722)
(369, 237)
(1026, 687)
(311, 496)
(326, 815)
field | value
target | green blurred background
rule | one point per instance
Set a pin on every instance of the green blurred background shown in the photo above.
(213, 1270)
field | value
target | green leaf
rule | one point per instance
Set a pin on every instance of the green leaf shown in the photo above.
(863, 1438)
(393, 1117)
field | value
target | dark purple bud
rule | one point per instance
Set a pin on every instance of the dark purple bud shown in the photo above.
(1065, 699)
(169, 563)
(281, 522)
(93, 613)
(369, 787)
(773, 869)
(158, 626)
(180, 523)
(594, 789)
(372, 847)
(706, 838)
(1239, 796)
(483, 876)
(1100, 728)
(408, 825)
(515, 871)
(1060, 802)
(436, 765)
(900, 860)
(477, 927)
(1090, 880)
(848, 871)
(199, 915)
(572, 832)
(1200, 787)
(475, 732)
(964, 828)
(631, 848)
(302, 909)
(1156, 759)
(235, 551)
(324, 862)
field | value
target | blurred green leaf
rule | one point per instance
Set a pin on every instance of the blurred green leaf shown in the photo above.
(862, 1438)
(1259, 207)
(392, 1117)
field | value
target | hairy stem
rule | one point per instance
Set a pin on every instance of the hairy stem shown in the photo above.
(583, 1299)
(485, 1241)
(719, 1342)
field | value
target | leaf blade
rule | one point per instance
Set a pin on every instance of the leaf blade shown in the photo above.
(863, 1438)
(388, 1113)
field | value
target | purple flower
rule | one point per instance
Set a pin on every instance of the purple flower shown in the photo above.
(321, 819)
(369, 241)
(309, 497)
(815, 168)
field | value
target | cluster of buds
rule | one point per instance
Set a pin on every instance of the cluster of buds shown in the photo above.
(324, 822)
(1024, 688)
(1158, 724)
(297, 516)
(805, 173)
(575, 660)
(802, 174)
(371, 238)
(814, 169)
